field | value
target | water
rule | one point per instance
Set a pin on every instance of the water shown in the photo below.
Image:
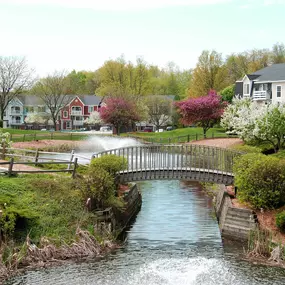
(93, 145)
(175, 240)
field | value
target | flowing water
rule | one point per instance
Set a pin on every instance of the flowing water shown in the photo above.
(175, 240)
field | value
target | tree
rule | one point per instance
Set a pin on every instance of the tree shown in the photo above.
(35, 119)
(278, 53)
(119, 112)
(53, 91)
(204, 77)
(252, 122)
(93, 119)
(228, 93)
(204, 111)
(159, 110)
(15, 77)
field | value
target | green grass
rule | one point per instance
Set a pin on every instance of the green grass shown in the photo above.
(179, 135)
(42, 205)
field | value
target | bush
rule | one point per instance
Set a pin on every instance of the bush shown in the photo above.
(111, 163)
(280, 221)
(260, 180)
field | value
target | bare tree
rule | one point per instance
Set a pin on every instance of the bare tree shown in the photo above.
(15, 77)
(53, 90)
(159, 110)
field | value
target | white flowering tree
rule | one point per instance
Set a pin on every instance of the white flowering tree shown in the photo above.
(35, 119)
(255, 122)
(93, 119)
(5, 140)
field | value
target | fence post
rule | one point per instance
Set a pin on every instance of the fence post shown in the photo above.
(71, 159)
(10, 169)
(36, 157)
(35, 136)
(24, 137)
(169, 140)
(196, 136)
(74, 167)
(212, 135)
(188, 138)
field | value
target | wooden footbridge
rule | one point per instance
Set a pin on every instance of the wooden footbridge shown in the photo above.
(189, 162)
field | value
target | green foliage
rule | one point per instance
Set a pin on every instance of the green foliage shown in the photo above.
(260, 180)
(228, 93)
(280, 221)
(110, 163)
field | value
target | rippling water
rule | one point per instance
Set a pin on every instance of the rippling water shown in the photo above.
(174, 240)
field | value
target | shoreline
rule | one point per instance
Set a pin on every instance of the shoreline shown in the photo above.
(6, 273)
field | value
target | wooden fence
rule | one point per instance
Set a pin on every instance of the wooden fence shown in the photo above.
(35, 158)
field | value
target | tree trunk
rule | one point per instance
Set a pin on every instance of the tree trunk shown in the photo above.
(204, 132)
(1, 118)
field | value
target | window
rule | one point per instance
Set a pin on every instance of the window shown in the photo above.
(76, 108)
(65, 114)
(68, 125)
(246, 89)
(90, 109)
(41, 108)
(278, 91)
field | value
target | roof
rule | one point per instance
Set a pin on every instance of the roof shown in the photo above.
(275, 72)
(34, 100)
(90, 99)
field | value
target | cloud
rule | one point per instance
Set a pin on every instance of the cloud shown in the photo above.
(116, 4)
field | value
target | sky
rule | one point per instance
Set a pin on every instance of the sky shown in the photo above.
(83, 34)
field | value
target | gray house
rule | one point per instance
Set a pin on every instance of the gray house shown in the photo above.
(264, 86)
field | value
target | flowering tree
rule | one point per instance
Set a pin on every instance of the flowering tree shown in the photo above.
(93, 119)
(34, 118)
(119, 112)
(204, 111)
(255, 122)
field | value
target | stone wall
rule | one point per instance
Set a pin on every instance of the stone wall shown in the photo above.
(112, 220)
(234, 223)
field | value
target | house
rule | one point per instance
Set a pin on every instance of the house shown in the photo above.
(79, 108)
(13, 115)
(71, 116)
(266, 85)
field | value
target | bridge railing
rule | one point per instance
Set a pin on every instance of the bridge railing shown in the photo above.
(173, 157)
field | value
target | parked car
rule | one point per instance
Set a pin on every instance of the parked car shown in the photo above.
(105, 129)
(148, 129)
(169, 128)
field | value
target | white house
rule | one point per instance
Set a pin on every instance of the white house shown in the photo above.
(264, 86)
(13, 115)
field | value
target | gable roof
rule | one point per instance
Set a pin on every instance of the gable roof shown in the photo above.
(90, 99)
(275, 72)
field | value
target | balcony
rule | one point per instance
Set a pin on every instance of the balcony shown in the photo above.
(15, 122)
(15, 112)
(261, 95)
(76, 113)
(77, 123)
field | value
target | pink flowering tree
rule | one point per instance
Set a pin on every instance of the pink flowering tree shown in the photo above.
(203, 111)
(119, 112)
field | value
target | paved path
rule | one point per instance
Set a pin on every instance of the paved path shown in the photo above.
(224, 143)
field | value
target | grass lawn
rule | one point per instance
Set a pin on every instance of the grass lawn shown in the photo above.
(175, 136)
(30, 135)
(179, 135)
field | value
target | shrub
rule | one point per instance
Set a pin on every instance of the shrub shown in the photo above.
(111, 163)
(280, 221)
(260, 180)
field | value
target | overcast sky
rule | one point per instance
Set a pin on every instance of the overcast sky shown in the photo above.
(82, 34)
